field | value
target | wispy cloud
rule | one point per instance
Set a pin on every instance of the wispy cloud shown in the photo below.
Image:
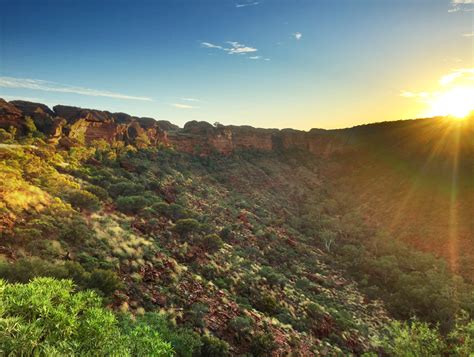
(238, 48)
(461, 5)
(457, 73)
(210, 45)
(454, 95)
(298, 35)
(47, 86)
(408, 94)
(190, 99)
(247, 4)
(468, 34)
(255, 57)
(183, 106)
(235, 48)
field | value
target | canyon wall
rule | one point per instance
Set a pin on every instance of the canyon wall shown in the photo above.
(69, 126)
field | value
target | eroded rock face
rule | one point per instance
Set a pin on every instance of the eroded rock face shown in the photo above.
(93, 125)
(10, 116)
(71, 126)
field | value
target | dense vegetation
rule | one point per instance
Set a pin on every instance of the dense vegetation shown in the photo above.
(258, 253)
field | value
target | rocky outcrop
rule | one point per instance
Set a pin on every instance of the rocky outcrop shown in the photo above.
(10, 116)
(71, 126)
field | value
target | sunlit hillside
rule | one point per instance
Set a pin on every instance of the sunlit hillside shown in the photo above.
(340, 242)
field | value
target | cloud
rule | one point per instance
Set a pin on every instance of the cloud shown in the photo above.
(408, 94)
(458, 73)
(238, 48)
(298, 35)
(47, 86)
(235, 48)
(210, 45)
(468, 34)
(461, 5)
(454, 95)
(255, 57)
(247, 4)
(183, 106)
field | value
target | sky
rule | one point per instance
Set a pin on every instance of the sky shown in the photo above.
(267, 63)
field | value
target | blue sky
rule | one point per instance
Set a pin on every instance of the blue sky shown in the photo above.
(299, 64)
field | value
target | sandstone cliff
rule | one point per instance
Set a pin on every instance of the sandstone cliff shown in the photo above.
(68, 126)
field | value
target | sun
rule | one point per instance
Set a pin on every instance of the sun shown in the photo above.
(457, 102)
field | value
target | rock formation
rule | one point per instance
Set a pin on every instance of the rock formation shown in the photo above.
(70, 126)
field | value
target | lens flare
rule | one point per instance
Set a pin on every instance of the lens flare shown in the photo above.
(457, 102)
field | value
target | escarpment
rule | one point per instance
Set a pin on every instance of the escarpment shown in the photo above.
(70, 126)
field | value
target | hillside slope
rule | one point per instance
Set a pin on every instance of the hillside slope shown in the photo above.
(287, 246)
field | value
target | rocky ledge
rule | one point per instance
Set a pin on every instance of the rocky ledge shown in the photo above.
(69, 126)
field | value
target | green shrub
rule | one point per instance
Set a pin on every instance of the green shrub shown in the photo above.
(185, 343)
(195, 316)
(461, 337)
(214, 347)
(83, 200)
(105, 281)
(262, 344)
(186, 226)
(45, 317)
(23, 270)
(125, 189)
(212, 242)
(132, 204)
(273, 278)
(98, 191)
(266, 303)
(5, 136)
(242, 325)
(412, 339)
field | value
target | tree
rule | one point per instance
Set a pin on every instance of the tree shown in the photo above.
(328, 237)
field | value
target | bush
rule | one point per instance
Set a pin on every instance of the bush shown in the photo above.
(242, 326)
(212, 242)
(262, 344)
(214, 347)
(131, 204)
(105, 281)
(125, 189)
(184, 342)
(266, 303)
(273, 278)
(98, 191)
(83, 200)
(195, 315)
(5, 136)
(45, 317)
(186, 226)
(412, 339)
(23, 270)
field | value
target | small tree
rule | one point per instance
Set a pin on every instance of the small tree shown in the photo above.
(328, 237)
